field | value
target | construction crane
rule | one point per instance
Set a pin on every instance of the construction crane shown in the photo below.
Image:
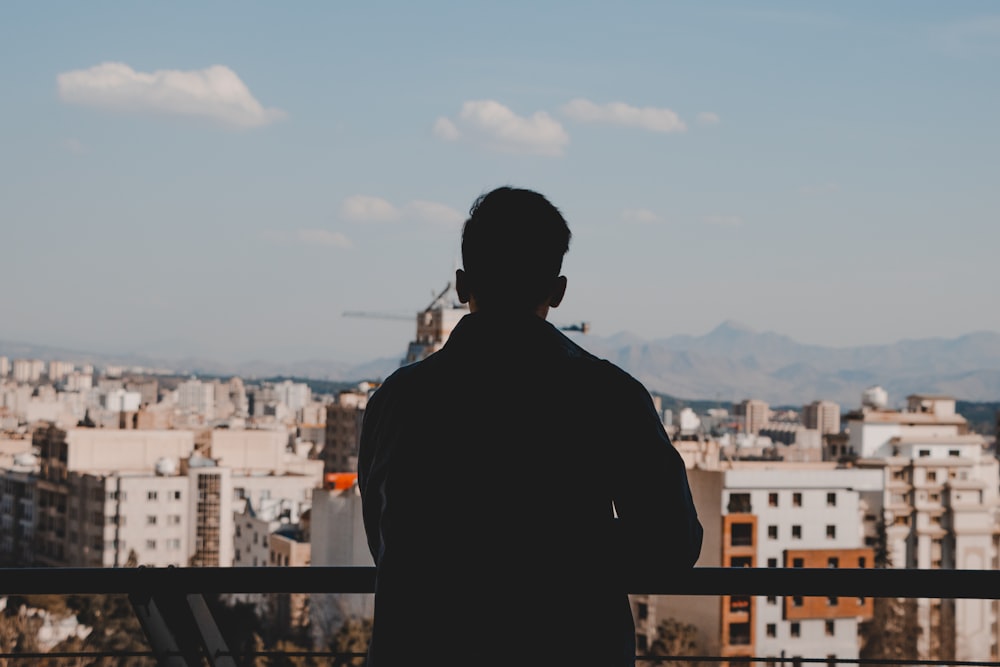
(439, 302)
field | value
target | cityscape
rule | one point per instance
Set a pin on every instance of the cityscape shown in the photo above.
(120, 467)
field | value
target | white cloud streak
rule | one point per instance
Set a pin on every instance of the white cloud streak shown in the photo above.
(491, 124)
(369, 209)
(215, 93)
(654, 119)
(640, 216)
(364, 208)
(324, 237)
(707, 118)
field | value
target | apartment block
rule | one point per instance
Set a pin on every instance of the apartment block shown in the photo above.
(774, 514)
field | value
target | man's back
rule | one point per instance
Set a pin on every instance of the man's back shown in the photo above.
(488, 474)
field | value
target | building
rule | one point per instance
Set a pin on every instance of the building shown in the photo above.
(940, 510)
(774, 514)
(343, 429)
(434, 324)
(106, 497)
(752, 415)
(822, 416)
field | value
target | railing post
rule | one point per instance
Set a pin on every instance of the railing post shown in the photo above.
(180, 630)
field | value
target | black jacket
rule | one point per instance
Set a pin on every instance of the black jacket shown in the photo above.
(491, 475)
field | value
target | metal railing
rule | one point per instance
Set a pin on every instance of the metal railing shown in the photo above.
(168, 601)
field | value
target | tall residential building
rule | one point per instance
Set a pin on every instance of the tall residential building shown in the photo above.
(774, 514)
(343, 430)
(823, 416)
(28, 370)
(195, 397)
(753, 414)
(941, 510)
(107, 495)
(4, 367)
(57, 370)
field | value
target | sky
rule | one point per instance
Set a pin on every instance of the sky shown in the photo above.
(227, 179)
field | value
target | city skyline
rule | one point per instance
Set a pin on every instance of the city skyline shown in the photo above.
(226, 181)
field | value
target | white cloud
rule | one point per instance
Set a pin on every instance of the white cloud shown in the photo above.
(640, 215)
(708, 118)
(215, 93)
(491, 124)
(436, 213)
(364, 208)
(323, 237)
(654, 119)
(723, 220)
(445, 129)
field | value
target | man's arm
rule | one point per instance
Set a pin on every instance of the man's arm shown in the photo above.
(657, 519)
(369, 479)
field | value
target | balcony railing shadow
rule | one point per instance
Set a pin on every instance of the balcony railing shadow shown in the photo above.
(181, 631)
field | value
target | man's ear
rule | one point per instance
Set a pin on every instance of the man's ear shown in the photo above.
(462, 286)
(558, 292)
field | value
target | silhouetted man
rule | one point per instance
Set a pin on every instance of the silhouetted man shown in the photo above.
(509, 479)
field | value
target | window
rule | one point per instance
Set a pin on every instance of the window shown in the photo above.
(796, 532)
(831, 500)
(174, 519)
(772, 562)
(642, 643)
(174, 544)
(931, 475)
(741, 534)
(642, 611)
(797, 562)
(772, 499)
(954, 452)
(772, 532)
(772, 630)
(772, 599)
(862, 561)
(739, 503)
(924, 452)
(901, 521)
(739, 634)
(831, 532)
(797, 601)
(741, 561)
(175, 495)
(150, 544)
(151, 495)
(795, 630)
(151, 520)
(797, 499)
(831, 600)
(833, 561)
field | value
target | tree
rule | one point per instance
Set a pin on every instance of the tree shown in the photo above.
(892, 631)
(674, 638)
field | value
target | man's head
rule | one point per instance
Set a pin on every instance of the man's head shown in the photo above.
(512, 250)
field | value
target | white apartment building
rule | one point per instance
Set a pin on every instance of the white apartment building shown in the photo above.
(774, 514)
(196, 398)
(941, 509)
(27, 371)
(57, 370)
(105, 496)
(4, 367)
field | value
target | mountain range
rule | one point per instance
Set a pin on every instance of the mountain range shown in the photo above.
(730, 363)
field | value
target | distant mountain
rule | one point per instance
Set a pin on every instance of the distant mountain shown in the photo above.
(729, 363)
(733, 362)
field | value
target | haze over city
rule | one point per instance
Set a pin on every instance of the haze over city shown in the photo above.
(226, 180)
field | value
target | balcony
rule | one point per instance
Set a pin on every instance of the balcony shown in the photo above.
(179, 628)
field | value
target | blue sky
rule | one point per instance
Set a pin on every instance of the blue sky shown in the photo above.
(226, 179)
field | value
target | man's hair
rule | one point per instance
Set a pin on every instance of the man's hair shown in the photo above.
(512, 248)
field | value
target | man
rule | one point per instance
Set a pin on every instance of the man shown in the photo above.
(510, 478)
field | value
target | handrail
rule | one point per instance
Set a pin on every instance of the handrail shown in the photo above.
(909, 583)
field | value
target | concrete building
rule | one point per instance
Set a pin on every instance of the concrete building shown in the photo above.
(108, 496)
(822, 416)
(434, 324)
(4, 367)
(343, 429)
(752, 414)
(28, 371)
(774, 514)
(941, 510)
